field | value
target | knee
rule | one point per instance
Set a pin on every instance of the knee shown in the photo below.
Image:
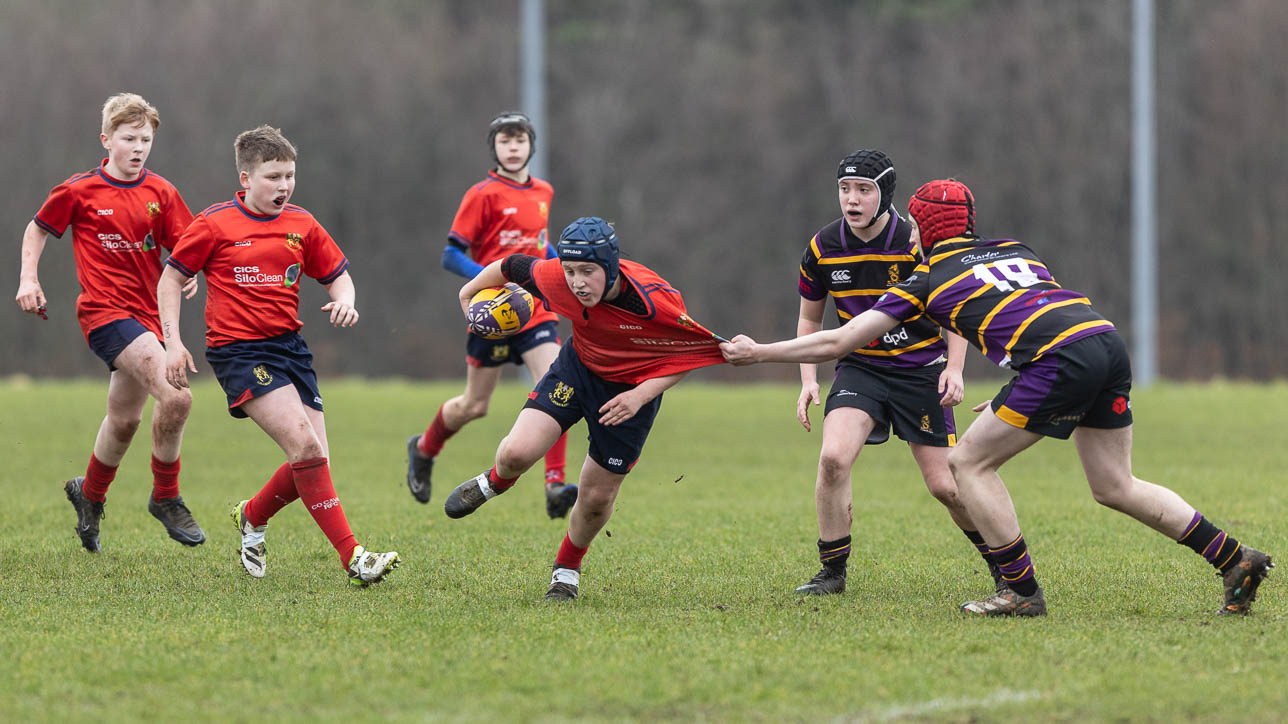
(1112, 494)
(123, 426)
(944, 489)
(473, 409)
(511, 456)
(833, 469)
(959, 461)
(596, 502)
(175, 405)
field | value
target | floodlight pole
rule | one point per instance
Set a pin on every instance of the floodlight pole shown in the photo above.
(532, 76)
(1143, 198)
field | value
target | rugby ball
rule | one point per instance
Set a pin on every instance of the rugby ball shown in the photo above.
(499, 312)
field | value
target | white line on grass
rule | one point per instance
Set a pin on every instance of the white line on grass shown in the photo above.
(1001, 696)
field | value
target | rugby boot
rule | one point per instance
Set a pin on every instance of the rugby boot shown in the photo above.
(88, 513)
(469, 496)
(419, 469)
(366, 568)
(827, 581)
(559, 499)
(564, 583)
(1242, 580)
(254, 554)
(177, 519)
(1008, 603)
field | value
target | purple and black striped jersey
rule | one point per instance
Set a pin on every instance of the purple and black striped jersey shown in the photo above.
(856, 273)
(998, 295)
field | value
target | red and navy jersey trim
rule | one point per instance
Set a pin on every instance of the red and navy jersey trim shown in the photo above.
(344, 266)
(180, 267)
(47, 227)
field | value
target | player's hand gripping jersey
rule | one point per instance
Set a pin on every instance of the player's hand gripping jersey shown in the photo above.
(499, 217)
(253, 266)
(117, 228)
(856, 273)
(999, 296)
(654, 337)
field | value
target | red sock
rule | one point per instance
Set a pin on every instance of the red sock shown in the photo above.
(313, 481)
(556, 459)
(165, 479)
(97, 477)
(276, 494)
(431, 443)
(569, 555)
(498, 483)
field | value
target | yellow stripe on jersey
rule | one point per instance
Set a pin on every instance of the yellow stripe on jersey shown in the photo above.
(1072, 331)
(945, 254)
(847, 316)
(907, 298)
(896, 352)
(813, 246)
(952, 318)
(942, 287)
(860, 292)
(805, 273)
(1045, 308)
(892, 258)
(983, 327)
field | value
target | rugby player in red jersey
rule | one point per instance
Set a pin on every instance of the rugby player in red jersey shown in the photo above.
(506, 213)
(120, 213)
(908, 379)
(632, 340)
(1073, 377)
(255, 249)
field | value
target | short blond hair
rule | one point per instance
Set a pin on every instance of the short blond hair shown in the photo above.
(128, 109)
(260, 144)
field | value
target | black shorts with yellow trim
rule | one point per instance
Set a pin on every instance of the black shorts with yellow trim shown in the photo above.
(1086, 383)
(905, 399)
(570, 392)
(253, 368)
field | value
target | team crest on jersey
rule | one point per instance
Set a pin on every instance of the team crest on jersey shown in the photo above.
(893, 279)
(500, 352)
(154, 209)
(294, 241)
(925, 423)
(544, 209)
(562, 394)
(262, 375)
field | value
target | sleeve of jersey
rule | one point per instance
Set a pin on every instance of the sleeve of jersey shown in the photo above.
(809, 285)
(175, 220)
(907, 300)
(192, 250)
(467, 227)
(517, 268)
(56, 213)
(323, 259)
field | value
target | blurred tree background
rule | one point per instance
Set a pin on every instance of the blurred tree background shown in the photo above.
(707, 130)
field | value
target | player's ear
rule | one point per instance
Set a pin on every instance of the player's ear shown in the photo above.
(244, 178)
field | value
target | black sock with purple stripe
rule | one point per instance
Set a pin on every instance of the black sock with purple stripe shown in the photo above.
(1017, 567)
(834, 554)
(1214, 544)
(977, 540)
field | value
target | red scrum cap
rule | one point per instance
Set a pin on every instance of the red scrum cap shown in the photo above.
(943, 208)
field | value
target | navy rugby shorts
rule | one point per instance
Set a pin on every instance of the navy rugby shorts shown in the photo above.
(111, 339)
(483, 352)
(570, 392)
(249, 369)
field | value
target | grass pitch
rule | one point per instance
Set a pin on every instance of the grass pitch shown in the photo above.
(686, 609)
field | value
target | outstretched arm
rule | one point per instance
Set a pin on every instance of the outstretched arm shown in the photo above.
(828, 344)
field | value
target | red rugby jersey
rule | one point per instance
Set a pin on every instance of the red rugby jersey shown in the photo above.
(621, 346)
(116, 229)
(253, 266)
(499, 217)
